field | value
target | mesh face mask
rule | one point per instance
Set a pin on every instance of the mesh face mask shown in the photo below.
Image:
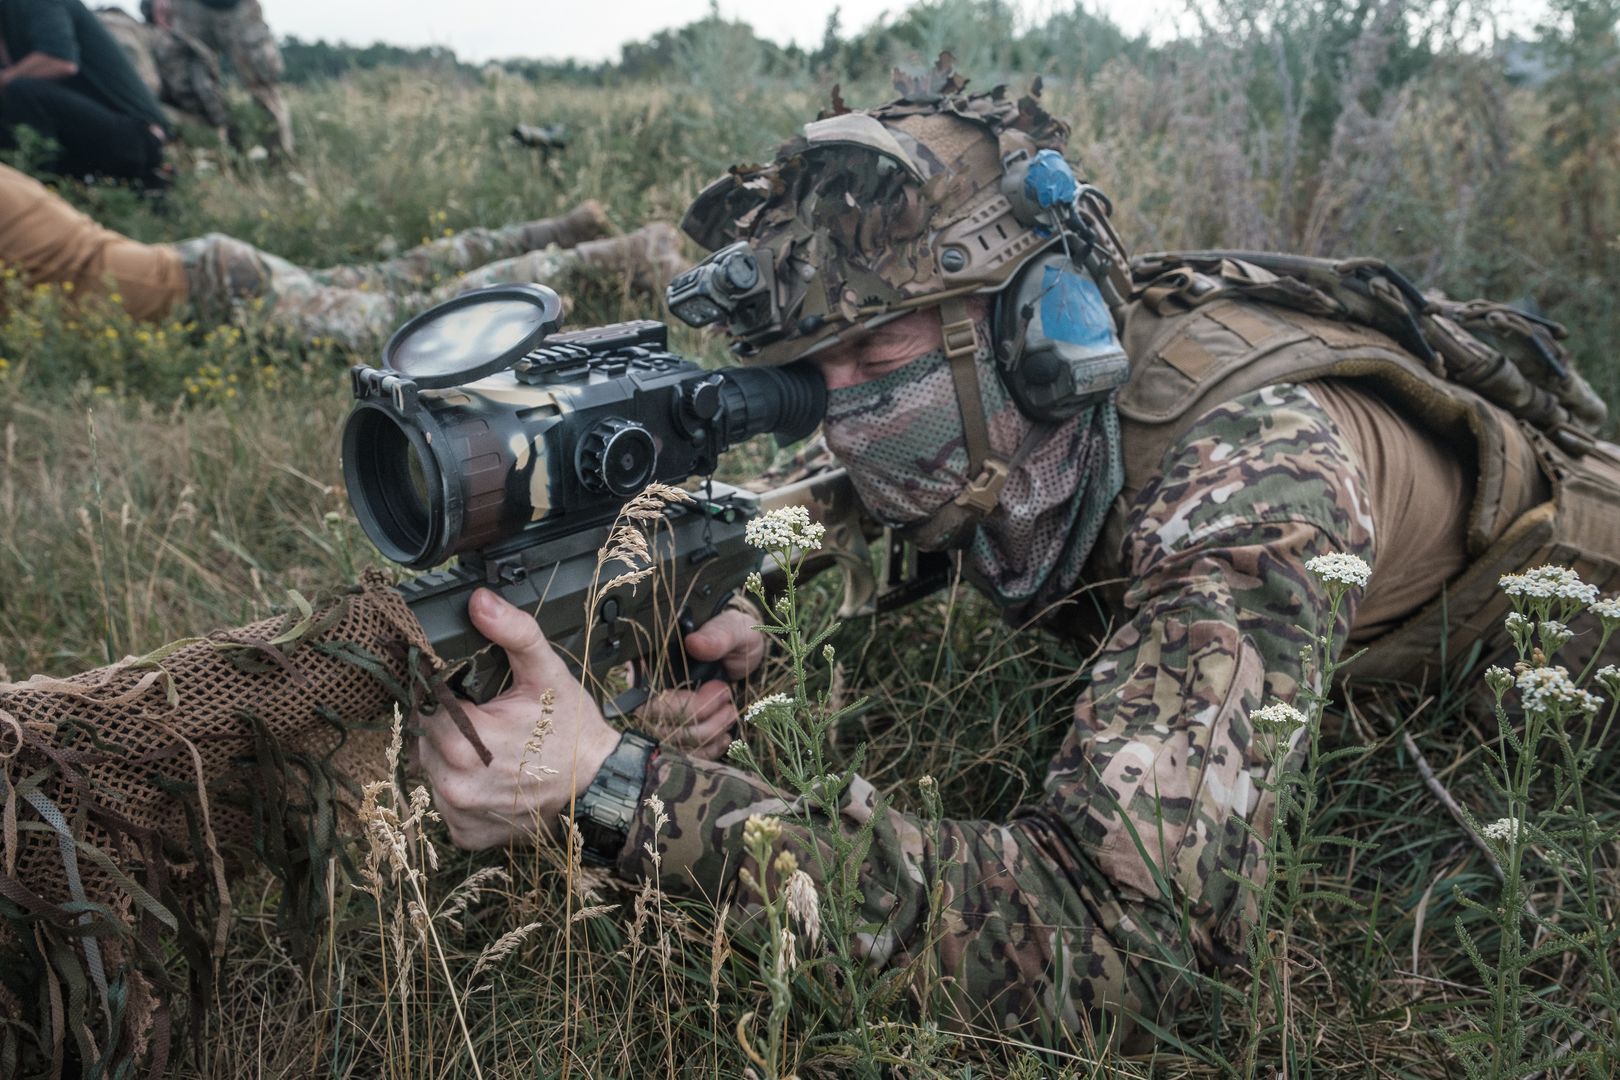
(900, 437)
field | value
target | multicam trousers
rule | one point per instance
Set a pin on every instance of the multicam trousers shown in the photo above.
(1085, 912)
(357, 305)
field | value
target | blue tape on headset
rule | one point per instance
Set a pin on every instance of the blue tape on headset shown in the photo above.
(1050, 182)
(1073, 310)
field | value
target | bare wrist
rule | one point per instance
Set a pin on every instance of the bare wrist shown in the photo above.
(592, 752)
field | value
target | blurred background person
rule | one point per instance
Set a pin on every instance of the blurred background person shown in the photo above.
(236, 30)
(63, 75)
(180, 71)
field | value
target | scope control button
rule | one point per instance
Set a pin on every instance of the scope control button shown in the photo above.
(617, 456)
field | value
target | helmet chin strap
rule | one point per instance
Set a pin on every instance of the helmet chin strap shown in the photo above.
(954, 523)
(987, 468)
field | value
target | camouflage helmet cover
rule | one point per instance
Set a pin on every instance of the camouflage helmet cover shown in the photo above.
(866, 214)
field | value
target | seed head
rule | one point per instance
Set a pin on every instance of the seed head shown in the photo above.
(804, 904)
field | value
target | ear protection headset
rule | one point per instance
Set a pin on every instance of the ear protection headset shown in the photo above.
(1058, 347)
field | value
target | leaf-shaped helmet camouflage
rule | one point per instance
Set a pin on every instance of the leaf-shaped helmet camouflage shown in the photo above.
(867, 214)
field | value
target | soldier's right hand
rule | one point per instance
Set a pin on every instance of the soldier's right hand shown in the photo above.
(702, 722)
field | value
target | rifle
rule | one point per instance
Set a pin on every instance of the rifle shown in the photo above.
(491, 438)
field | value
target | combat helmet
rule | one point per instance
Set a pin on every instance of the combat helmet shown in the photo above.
(922, 202)
(866, 214)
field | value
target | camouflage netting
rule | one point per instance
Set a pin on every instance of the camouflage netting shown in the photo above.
(129, 794)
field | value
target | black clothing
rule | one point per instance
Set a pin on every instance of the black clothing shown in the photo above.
(93, 138)
(66, 29)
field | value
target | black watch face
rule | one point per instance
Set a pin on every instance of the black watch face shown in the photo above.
(605, 810)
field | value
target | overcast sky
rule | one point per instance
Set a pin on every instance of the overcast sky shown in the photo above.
(585, 29)
(594, 29)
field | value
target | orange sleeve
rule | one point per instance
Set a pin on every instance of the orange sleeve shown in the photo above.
(47, 240)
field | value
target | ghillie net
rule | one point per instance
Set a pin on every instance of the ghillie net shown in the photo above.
(128, 794)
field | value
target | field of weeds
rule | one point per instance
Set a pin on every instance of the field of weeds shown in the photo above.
(157, 481)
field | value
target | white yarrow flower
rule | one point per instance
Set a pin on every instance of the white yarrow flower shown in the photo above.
(1504, 830)
(1546, 689)
(784, 527)
(1279, 717)
(770, 701)
(1548, 583)
(1607, 609)
(1340, 567)
(787, 953)
(1554, 635)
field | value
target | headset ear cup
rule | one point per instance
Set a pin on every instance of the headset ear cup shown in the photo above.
(1057, 351)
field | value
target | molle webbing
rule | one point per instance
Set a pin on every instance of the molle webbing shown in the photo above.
(127, 792)
(1534, 502)
(1508, 356)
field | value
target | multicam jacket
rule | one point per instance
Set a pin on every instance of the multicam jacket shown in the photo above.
(1068, 916)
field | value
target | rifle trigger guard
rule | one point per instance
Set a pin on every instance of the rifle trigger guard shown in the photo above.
(627, 702)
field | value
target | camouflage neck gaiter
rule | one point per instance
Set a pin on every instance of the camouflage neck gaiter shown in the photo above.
(900, 436)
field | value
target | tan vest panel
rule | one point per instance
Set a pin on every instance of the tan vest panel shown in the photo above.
(1532, 504)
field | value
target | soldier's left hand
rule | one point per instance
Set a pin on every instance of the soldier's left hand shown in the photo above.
(702, 722)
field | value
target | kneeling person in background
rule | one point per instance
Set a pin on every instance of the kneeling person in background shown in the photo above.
(66, 78)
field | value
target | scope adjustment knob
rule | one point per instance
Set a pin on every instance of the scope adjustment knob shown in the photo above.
(704, 398)
(617, 456)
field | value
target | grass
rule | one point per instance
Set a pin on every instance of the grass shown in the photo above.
(152, 488)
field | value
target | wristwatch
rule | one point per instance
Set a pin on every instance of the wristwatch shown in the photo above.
(604, 811)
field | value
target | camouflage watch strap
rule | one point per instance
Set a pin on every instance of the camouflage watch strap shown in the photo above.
(605, 810)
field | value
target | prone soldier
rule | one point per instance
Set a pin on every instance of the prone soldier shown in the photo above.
(1169, 440)
(47, 241)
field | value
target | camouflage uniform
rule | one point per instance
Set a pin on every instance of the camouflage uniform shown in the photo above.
(180, 71)
(239, 33)
(1096, 906)
(357, 305)
(1055, 920)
